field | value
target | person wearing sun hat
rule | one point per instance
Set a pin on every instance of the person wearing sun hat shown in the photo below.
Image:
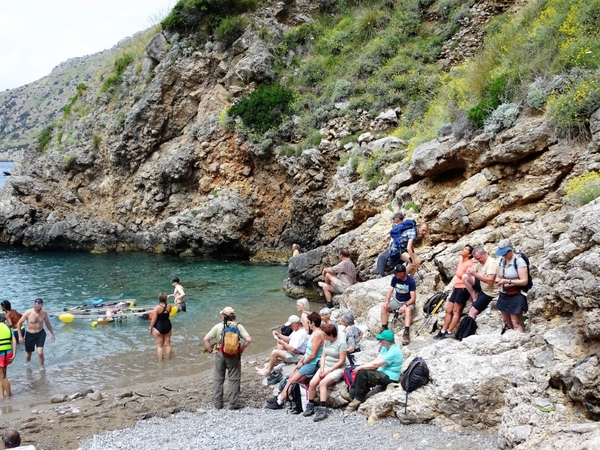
(512, 277)
(232, 365)
(383, 370)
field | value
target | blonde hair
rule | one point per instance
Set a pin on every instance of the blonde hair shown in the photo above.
(303, 302)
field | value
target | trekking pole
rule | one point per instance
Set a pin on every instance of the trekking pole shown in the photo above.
(433, 312)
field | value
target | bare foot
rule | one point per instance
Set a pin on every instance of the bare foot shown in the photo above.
(263, 372)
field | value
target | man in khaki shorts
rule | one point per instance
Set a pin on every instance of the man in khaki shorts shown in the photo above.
(35, 335)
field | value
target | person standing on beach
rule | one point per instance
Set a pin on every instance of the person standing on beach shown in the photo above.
(160, 327)
(224, 363)
(35, 335)
(178, 294)
(8, 351)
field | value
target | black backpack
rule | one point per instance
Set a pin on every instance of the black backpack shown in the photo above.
(415, 376)
(433, 303)
(466, 328)
(294, 396)
(526, 259)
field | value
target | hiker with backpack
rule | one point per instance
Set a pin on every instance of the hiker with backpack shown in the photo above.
(383, 370)
(228, 356)
(459, 296)
(403, 237)
(404, 288)
(289, 348)
(339, 277)
(479, 281)
(513, 279)
(331, 371)
(307, 366)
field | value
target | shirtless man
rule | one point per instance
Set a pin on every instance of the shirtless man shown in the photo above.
(178, 294)
(35, 335)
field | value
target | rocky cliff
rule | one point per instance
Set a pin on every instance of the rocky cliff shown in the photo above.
(149, 166)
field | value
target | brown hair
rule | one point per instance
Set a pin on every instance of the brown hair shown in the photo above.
(345, 252)
(315, 318)
(162, 297)
(330, 330)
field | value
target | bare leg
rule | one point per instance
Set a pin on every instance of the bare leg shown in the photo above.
(448, 316)
(456, 315)
(507, 320)
(168, 348)
(469, 281)
(385, 315)
(408, 312)
(275, 355)
(158, 338)
(517, 322)
(40, 352)
(27, 356)
(473, 312)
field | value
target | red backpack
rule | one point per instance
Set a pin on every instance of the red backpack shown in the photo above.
(350, 375)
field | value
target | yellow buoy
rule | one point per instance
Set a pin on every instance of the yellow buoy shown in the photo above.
(66, 318)
(94, 323)
(174, 310)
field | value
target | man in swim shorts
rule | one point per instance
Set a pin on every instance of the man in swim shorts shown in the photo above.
(35, 335)
(178, 295)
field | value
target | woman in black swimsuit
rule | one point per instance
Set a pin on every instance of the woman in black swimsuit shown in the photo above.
(160, 327)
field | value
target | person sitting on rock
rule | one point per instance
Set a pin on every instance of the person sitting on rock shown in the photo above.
(459, 296)
(295, 250)
(289, 348)
(339, 277)
(325, 314)
(330, 372)
(383, 370)
(304, 310)
(479, 281)
(307, 366)
(405, 251)
(405, 289)
(353, 335)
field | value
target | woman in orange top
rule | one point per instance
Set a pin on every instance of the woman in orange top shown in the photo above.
(459, 297)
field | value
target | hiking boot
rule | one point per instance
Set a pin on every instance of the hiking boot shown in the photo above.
(272, 400)
(218, 405)
(406, 337)
(274, 378)
(273, 406)
(441, 335)
(321, 414)
(346, 396)
(309, 410)
(354, 404)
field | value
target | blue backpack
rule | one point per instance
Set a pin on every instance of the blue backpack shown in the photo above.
(400, 242)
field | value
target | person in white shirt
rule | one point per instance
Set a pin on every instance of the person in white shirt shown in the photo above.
(289, 348)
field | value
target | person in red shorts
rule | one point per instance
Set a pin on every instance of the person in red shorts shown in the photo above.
(8, 350)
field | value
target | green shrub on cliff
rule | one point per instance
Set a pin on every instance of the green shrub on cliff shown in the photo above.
(230, 29)
(265, 108)
(45, 137)
(188, 16)
(120, 64)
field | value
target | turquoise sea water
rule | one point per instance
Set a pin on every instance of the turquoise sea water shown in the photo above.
(123, 353)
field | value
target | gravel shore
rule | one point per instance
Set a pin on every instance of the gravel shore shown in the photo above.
(252, 428)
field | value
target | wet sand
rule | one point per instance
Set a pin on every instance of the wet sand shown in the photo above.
(62, 426)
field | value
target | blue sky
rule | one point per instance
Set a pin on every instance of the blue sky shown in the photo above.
(37, 35)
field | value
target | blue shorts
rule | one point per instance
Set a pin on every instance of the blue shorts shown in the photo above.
(309, 370)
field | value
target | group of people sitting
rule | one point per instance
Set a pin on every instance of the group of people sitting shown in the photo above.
(320, 349)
